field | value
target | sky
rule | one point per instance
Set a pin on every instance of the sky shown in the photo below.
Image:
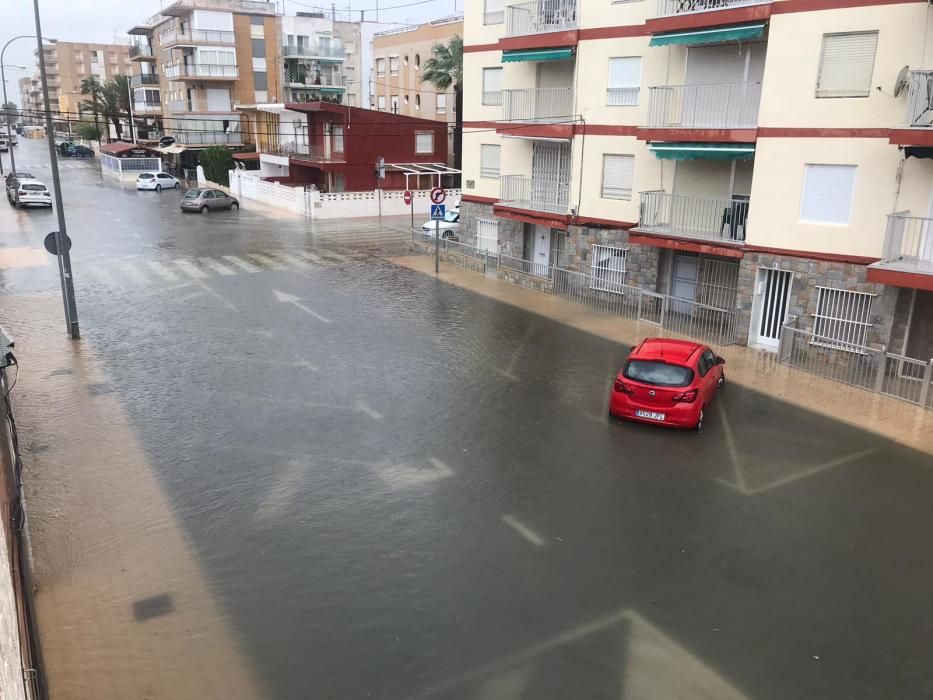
(103, 20)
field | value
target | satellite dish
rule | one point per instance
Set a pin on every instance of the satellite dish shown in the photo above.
(902, 79)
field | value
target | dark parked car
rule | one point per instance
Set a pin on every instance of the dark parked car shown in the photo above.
(78, 151)
(205, 200)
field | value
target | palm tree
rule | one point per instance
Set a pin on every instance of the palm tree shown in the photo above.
(110, 99)
(91, 86)
(443, 70)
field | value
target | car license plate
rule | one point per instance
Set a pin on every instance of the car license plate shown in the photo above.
(649, 414)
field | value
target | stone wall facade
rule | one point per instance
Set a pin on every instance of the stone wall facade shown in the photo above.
(511, 232)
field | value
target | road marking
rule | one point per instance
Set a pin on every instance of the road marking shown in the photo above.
(523, 530)
(102, 275)
(733, 452)
(300, 364)
(339, 257)
(365, 408)
(190, 269)
(296, 302)
(240, 263)
(282, 494)
(266, 261)
(509, 372)
(310, 256)
(189, 297)
(294, 260)
(217, 295)
(826, 466)
(162, 271)
(405, 475)
(133, 272)
(216, 266)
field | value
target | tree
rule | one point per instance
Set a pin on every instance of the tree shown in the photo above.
(10, 112)
(87, 130)
(443, 70)
(111, 99)
(217, 162)
(91, 86)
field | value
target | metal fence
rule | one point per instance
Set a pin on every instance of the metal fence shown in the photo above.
(920, 99)
(872, 369)
(541, 16)
(127, 165)
(543, 193)
(715, 106)
(538, 104)
(677, 7)
(720, 218)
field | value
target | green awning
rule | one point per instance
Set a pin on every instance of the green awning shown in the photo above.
(330, 88)
(537, 55)
(702, 151)
(708, 36)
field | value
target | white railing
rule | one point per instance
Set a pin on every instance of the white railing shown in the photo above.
(715, 106)
(172, 37)
(141, 51)
(127, 165)
(667, 8)
(335, 50)
(720, 218)
(205, 137)
(908, 243)
(539, 193)
(201, 70)
(147, 107)
(492, 98)
(540, 16)
(538, 104)
(920, 99)
(198, 105)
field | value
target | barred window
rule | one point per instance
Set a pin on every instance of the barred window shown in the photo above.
(608, 269)
(842, 319)
(424, 142)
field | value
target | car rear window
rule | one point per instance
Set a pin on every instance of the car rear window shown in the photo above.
(657, 373)
(34, 188)
(146, 176)
(192, 194)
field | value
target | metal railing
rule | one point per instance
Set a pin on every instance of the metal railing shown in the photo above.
(201, 70)
(199, 105)
(142, 79)
(207, 137)
(872, 369)
(134, 165)
(538, 104)
(908, 243)
(174, 37)
(492, 98)
(667, 8)
(719, 218)
(920, 99)
(313, 51)
(540, 16)
(148, 107)
(714, 106)
(539, 192)
(141, 51)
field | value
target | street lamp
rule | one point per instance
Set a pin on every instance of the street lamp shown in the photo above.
(9, 133)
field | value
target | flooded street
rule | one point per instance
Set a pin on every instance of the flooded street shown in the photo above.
(278, 465)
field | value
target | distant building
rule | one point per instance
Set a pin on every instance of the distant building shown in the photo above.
(30, 100)
(319, 64)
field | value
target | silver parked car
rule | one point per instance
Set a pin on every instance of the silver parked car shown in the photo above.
(205, 200)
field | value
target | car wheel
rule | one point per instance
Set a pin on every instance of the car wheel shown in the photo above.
(175, 186)
(234, 206)
(699, 426)
(158, 188)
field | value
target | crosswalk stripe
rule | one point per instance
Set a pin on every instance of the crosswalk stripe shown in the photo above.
(190, 269)
(339, 257)
(216, 266)
(240, 263)
(266, 261)
(101, 274)
(294, 260)
(133, 272)
(310, 256)
(162, 271)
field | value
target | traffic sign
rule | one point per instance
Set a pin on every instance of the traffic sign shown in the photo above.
(437, 212)
(51, 242)
(438, 195)
(407, 197)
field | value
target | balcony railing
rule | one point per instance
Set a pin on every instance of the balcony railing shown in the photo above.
(313, 51)
(920, 99)
(717, 218)
(207, 137)
(314, 152)
(175, 71)
(174, 37)
(717, 106)
(541, 192)
(908, 244)
(148, 107)
(540, 16)
(199, 105)
(140, 80)
(141, 51)
(538, 104)
(666, 8)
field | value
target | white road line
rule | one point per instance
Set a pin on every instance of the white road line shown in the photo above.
(733, 452)
(240, 263)
(294, 260)
(102, 275)
(266, 261)
(811, 472)
(190, 269)
(369, 411)
(509, 372)
(162, 271)
(405, 475)
(300, 364)
(219, 297)
(339, 257)
(133, 272)
(216, 266)
(282, 494)
(310, 256)
(523, 530)
(189, 297)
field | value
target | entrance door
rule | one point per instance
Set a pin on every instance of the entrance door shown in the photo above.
(487, 236)
(772, 292)
(537, 245)
(684, 282)
(920, 332)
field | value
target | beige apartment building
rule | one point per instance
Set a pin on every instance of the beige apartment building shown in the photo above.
(30, 99)
(398, 55)
(769, 160)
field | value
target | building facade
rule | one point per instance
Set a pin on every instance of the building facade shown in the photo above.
(769, 158)
(30, 100)
(319, 64)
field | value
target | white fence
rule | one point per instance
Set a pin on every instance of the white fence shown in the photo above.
(128, 168)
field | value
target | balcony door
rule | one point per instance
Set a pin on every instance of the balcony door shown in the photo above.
(716, 79)
(550, 176)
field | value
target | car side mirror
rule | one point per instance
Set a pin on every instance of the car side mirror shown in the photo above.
(720, 360)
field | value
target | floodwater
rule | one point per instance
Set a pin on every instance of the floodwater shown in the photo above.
(278, 466)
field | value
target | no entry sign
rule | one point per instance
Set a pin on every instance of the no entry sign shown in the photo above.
(407, 197)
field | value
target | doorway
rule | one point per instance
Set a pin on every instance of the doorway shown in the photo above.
(684, 280)
(772, 291)
(919, 342)
(328, 128)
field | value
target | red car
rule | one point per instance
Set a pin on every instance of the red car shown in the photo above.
(668, 382)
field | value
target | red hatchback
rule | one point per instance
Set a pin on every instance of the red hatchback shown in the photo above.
(667, 381)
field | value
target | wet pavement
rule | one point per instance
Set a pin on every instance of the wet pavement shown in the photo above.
(279, 466)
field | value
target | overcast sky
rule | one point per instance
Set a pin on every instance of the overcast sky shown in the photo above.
(102, 20)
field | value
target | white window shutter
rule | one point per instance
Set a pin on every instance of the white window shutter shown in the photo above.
(846, 64)
(624, 81)
(827, 194)
(618, 174)
(492, 79)
(489, 160)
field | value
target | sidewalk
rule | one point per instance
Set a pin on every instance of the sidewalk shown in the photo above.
(755, 369)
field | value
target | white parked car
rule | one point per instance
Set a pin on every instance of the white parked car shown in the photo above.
(157, 182)
(31, 192)
(449, 227)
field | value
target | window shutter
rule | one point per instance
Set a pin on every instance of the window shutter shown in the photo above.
(827, 193)
(846, 64)
(618, 172)
(424, 142)
(489, 159)
(492, 79)
(625, 72)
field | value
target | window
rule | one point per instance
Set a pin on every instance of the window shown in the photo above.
(842, 318)
(608, 269)
(393, 101)
(846, 64)
(380, 66)
(260, 81)
(492, 86)
(494, 12)
(441, 104)
(418, 102)
(338, 138)
(417, 61)
(624, 81)
(706, 363)
(393, 64)
(406, 99)
(259, 64)
(424, 142)
(405, 59)
(489, 161)
(259, 47)
(257, 27)
(618, 172)
(487, 236)
(381, 103)
(827, 194)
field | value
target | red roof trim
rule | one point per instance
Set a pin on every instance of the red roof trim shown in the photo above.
(476, 48)
(540, 41)
(895, 278)
(821, 133)
(911, 137)
(813, 255)
(657, 241)
(699, 135)
(528, 216)
(476, 199)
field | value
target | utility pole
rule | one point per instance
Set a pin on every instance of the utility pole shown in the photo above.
(129, 92)
(61, 236)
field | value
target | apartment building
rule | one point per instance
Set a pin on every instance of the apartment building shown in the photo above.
(770, 158)
(322, 59)
(197, 59)
(398, 55)
(30, 100)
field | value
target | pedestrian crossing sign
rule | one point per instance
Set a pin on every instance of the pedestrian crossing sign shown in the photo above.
(437, 212)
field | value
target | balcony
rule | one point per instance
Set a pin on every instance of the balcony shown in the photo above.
(195, 37)
(671, 8)
(316, 50)
(720, 219)
(199, 106)
(920, 100)
(716, 106)
(908, 244)
(541, 105)
(147, 107)
(313, 153)
(208, 138)
(141, 52)
(542, 192)
(201, 71)
(539, 17)
(144, 79)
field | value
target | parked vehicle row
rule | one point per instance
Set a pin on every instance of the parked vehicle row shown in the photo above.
(23, 190)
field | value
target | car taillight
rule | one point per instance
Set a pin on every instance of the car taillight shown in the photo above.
(623, 387)
(22, 192)
(686, 397)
